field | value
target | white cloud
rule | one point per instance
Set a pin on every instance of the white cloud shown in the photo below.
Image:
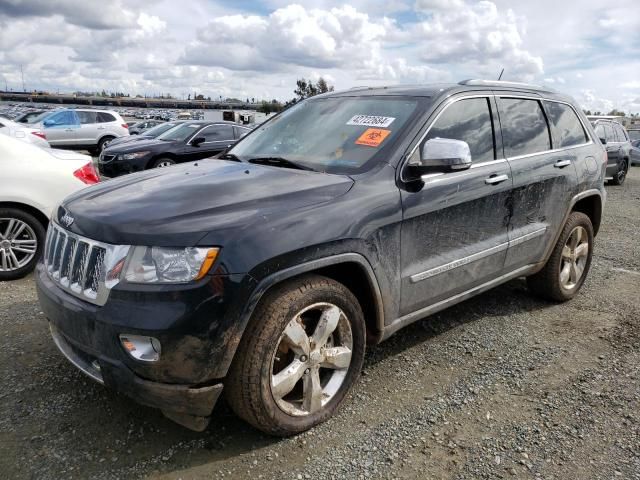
(477, 33)
(258, 50)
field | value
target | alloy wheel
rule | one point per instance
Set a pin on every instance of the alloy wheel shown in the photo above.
(574, 258)
(622, 171)
(312, 359)
(18, 244)
(164, 164)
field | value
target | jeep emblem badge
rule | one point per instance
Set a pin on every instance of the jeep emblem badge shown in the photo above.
(67, 219)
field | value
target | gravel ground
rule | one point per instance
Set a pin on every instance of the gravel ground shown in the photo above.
(501, 386)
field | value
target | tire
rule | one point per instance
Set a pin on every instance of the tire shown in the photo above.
(250, 387)
(621, 174)
(102, 144)
(552, 282)
(15, 262)
(163, 163)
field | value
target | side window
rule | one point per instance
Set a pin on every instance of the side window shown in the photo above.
(470, 121)
(240, 132)
(87, 117)
(524, 127)
(62, 119)
(565, 125)
(104, 117)
(620, 133)
(217, 133)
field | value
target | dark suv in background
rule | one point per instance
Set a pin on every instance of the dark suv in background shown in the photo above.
(191, 140)
(267, 272)
(616, 141)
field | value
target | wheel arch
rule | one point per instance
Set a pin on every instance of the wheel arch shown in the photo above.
(154, 158)
(38, 214)
(591, 206)
(350, 269)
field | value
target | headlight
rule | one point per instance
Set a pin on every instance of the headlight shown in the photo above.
(134, 155)
(168, 265)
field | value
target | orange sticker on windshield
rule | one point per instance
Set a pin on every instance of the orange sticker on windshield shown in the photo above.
(372, 137)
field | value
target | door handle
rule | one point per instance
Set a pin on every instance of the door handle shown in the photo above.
(100, 128)
(68, 129)
(562, 163)
(495, 179)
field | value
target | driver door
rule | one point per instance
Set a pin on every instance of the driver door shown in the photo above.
(61, 128)
(454, 230)
(216, 139)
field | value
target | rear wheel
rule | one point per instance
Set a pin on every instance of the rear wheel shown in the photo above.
(302, 356)
(21, 240)
(621, 174)
(567, 268)
(163, 162)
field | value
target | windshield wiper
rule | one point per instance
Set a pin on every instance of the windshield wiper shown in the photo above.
(280, 161)
(229, 156)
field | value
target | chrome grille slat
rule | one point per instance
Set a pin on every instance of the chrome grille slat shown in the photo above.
(78, 265)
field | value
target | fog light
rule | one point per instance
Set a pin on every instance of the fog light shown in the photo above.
(145, 349)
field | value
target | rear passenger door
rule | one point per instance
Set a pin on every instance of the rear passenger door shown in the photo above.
(87, 133)
(454, 229)
(544, 178)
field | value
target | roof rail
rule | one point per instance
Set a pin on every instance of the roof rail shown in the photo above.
(502, 83)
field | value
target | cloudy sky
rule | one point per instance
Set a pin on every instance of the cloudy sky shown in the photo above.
(257, 48)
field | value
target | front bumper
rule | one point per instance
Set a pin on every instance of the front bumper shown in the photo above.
(196, 327)
(186, 405)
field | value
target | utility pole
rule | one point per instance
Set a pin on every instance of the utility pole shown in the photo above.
(22, 75)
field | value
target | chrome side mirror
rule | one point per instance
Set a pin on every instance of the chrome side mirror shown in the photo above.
(444, 155)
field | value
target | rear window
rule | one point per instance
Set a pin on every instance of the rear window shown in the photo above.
(104, 117)
(620, 133)
(566, 127)
(524, 127)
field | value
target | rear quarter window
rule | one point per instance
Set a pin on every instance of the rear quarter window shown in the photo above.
(566, 127)
(104, 117)
(524, 127)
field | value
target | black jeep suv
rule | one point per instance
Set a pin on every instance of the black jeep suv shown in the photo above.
(616, 141)
(267, 271)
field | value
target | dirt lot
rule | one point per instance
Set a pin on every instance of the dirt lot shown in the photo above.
(501, 386)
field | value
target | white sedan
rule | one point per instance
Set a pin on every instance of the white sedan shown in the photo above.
(23, 132)
(32, 183)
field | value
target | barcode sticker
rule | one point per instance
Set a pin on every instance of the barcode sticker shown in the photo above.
(371, 121)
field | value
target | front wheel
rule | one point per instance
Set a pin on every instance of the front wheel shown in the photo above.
(21, 240)
(163, 162)
(567, 268)
(302, 354)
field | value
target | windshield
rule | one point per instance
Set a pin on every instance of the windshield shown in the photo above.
(181, 132)
(634, 134)
(37, 118)
(159, 129)
(335, 135)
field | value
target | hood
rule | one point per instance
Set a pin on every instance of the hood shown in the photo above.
(178, 206)
(127, 139)
(145, 143)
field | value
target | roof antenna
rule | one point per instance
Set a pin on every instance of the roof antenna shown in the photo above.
(500, 76)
